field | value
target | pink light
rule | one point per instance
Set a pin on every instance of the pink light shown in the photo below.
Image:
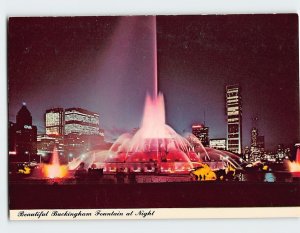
(197, 126)
(298, 156)
(54, 169)
(295, 166)
(155, 89)
(154, 141)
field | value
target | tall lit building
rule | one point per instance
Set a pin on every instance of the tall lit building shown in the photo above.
(254, 139)
(54, 120)
(201, 132)
(218, 143)
(255, 154)
(261, 143)
(82, 131)
(234, 118)
(22, 137)
(73, 131)
(82, 122)
(257, 142)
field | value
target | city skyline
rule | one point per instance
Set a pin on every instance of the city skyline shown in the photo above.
(84, 62)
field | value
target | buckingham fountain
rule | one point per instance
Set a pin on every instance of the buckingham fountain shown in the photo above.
(155, 148)
(157, 156)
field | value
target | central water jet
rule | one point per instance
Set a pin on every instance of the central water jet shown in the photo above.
(55, 169)
(294, 166)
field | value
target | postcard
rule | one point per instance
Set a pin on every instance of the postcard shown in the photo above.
(153, 117)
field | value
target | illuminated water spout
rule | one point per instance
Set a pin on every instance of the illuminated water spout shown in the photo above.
(154, 135)
(154, 142)
(54, 169)
(295, 165)
(158, 144)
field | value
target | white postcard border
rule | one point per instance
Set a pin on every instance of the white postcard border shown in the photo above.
(147, 214)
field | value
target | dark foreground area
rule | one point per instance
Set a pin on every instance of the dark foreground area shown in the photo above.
(154, 195)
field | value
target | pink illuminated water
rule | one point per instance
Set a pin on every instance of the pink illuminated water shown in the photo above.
(154, 135)
(295, 166)
(156, 145)
(298, 156)
(154, 142)
(155, 89)
(55, 169)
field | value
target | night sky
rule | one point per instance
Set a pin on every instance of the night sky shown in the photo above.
(106, 65)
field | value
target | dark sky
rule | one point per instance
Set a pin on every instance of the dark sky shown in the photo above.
(106, 65)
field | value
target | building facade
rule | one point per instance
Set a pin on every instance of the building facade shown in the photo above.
(218, 143)
(82, 132)
(234, 118)
(261, 143)
(46, 144)
(257, 145)
(23, 137)
(201, 132)
(254, 137)
(82, 122)
(54, 122)
(73, 131)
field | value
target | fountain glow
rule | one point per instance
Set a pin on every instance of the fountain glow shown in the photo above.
(155, 146)
(54, 169)
(295, 165)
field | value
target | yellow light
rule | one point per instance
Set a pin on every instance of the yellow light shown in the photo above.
(294, 167)
(55, 171)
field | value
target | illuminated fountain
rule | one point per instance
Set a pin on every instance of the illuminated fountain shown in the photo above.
(154, 144)
(294, 166)
(156, 148)
(55, 169)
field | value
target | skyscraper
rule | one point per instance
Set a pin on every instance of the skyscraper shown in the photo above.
(54, 122)
(218, 143)
(72, 131)
(80, 121)
(234, 118)
(23, 136)
(254, 139)
(261, 142)
(257, 141)
(82, 131)
(201, 132)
